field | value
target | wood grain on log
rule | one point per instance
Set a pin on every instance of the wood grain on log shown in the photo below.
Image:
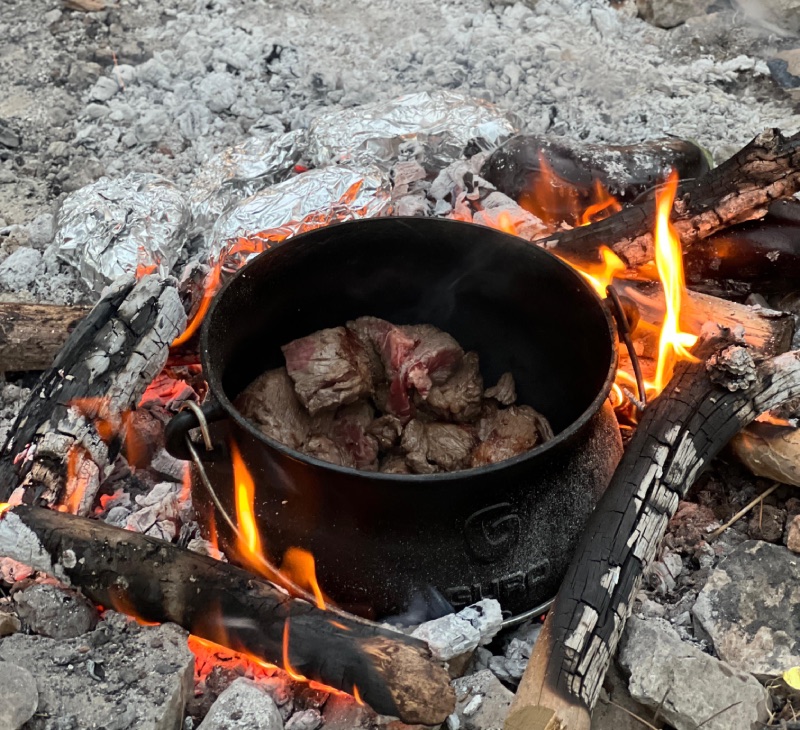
(766, 330)
(701, 409)
(31, 335)
(740, 189)
(112, 355)
(394, 673)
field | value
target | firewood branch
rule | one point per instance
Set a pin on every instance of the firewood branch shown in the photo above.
(701, 409)
(394, 673)
(112, 355)
(740, 189)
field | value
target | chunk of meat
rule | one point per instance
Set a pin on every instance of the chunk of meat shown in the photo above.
(433, 447)
(326, 449)
(394, 464)
(505, 392)
(460, 397)
(386, 430)
(329, 368)
(435, 357)
(271, 403)
(509, 433)
(350, 432)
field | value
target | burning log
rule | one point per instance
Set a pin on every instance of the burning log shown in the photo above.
(106, 365)
(766, 330)
(394, 673)
(704, 405)
(740, 189)
(32, 334)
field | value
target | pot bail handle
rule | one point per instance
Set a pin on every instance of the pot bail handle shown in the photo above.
(192, 416)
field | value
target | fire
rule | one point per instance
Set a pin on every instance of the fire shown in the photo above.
(4, 507)
(555, 200)
(209, 289)
(600, 276)
(357, 696)
(79, 475)
(287, 665)
(249, 541)
(672, 342)
(298, 565)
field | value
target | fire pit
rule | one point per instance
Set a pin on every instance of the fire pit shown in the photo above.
(504, 531)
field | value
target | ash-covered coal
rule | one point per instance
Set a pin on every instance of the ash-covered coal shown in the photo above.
(395, 399)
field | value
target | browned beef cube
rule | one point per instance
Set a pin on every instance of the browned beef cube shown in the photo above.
(350, 434)
(325, 448)
(460, 397)
(435, 357)
(386, 430)
(394, 464)
(329, 368)
(509, 433)
(433, 447)
(271, 404)
(505, 392)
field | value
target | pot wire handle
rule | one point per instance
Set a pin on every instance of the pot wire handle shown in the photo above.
(203, 425)
(191, 416)
(623, 325)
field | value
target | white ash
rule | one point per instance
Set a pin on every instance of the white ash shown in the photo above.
(12, 398)
(457, 634)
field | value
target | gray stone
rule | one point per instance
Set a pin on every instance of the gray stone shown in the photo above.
(784, 14)
(20, 269)
(9, 624)
(119, 676)
(20, 696)
(691, 687)
(615, 708)
(343, 713)
(53, 611)
(305, 720)
(104, 88)
(745, 609)
(243, 706)
(8, 138)
(482, 702)
(459, 633)
(669, 13)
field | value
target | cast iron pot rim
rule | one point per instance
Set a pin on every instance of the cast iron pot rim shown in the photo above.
(218, 393)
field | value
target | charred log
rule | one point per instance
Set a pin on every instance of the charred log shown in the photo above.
(762, 255)
(526, 162)
(108, 360)
(766, 330)
(740, 189)
(701, 409)
(394, 673)
(32, 334)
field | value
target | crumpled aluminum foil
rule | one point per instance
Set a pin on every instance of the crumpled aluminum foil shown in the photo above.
(133, 225)
(434, 127)
(241, 171)
(311, 200)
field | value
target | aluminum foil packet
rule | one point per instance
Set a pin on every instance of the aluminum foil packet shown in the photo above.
(132, 225)
(432, 127)
(241, 171)
(310, 200)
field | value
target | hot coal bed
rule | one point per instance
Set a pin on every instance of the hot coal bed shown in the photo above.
(323, 595)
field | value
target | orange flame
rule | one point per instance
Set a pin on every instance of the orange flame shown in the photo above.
(249, 541)
(672, 342)
(298, 565)
(287, 665)
(555, 200)
(505, 224)
(78, 478)
(357, 696)
(209, 289)
(600, 276)
(4, 507)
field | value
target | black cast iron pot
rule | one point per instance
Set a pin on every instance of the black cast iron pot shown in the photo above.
(506, 530)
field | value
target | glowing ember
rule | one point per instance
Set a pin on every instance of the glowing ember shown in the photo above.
(80, 472)
(555, 200)
(4, 507)
(669, 261)
(209, 289)
(298, 565)
(249, 541)
(357, 696)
